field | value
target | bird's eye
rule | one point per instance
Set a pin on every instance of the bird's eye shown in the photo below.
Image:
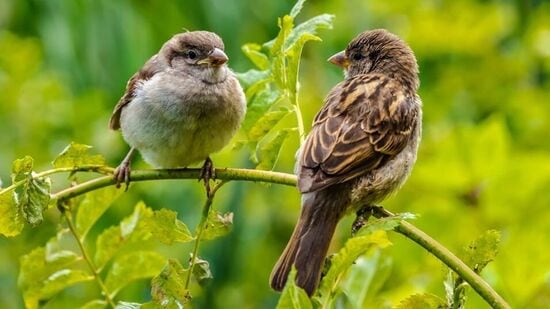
(357, 56)
(192, 54)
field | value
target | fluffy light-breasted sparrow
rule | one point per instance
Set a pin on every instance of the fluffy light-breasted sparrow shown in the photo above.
(361, 148)
(183, 105)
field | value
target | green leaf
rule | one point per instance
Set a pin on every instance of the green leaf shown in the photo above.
(92, 207)
(259, 105)
(133, 266)
(201, 271)
(343, 260)
(166, 228)
(217, 225)
(11, 223)
(21, 168)
(265, 124)
(40, 279)
(308, 28)
(168, 287)
(143, 225)
(267, 153)
(95, 304)
(252, 51)
(252, 77)
(482, 250)
(293, 297)
(422, 301)
(366, 278)
(297, 8)
(76, 155)
(33, 198)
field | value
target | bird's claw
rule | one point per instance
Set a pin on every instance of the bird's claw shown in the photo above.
(207, 173)
(122, 175)
(363, 215)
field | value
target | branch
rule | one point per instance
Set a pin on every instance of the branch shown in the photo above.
(228, 174)
(448, 258)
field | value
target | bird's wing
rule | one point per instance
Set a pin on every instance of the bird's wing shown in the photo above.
(151, 67)
(366, 120)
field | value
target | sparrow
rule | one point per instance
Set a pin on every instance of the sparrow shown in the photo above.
(181, 106)
(361, 148)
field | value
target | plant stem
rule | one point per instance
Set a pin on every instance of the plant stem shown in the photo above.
(87, 168)
(448, 258)
(142, 175)
(201, 226)
(87, 258)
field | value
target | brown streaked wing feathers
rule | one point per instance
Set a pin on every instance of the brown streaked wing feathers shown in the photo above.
(376, 125)
(150, 68)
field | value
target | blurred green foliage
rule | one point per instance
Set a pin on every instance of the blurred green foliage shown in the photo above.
(484, 161)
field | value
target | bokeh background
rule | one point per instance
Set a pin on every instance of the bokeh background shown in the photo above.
(484, 161)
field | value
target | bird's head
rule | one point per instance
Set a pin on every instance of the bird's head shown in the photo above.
(198, 53)
(378, 51)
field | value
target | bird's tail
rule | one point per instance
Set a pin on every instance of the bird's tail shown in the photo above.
(309, 243)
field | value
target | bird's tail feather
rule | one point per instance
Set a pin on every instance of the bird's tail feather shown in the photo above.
(309, 243)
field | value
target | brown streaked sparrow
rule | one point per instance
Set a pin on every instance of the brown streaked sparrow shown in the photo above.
(361, 148)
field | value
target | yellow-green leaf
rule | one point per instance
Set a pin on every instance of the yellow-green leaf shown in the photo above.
(92, 207)
(217, 225)
(422, 301)
(267, 152)
(11, 223)
(133, 266)
(76, 155)
(252, 51)
(293, 297)
(168, 287)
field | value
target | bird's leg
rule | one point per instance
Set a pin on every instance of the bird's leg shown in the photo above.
(122, 172)
(363, 215)
(207, 173)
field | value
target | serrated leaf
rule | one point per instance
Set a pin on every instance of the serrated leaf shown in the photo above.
(75, 155)
(95, 304)
(33, 198)
(482, 250)
(264, 124)
(168, 287)
(133, 266)
(201, 271)
(267, 153)
(309, 27)
(21, 168)
(343, 260)
(40, 279)
(422, 301)
(11, 223)
(92, 207)
(293, 297)
(252, 51)
(217, 225)
(143, 224)
(251, 77)
(57, 248)
(166, 228)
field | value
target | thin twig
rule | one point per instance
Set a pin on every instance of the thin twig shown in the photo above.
(201, 226)
(66, 213)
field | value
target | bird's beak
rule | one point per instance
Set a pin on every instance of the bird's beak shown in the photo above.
(340, 60)
(216, 58)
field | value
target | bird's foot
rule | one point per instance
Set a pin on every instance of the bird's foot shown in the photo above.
(122, 172)
(207, 173)
(363, 215)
